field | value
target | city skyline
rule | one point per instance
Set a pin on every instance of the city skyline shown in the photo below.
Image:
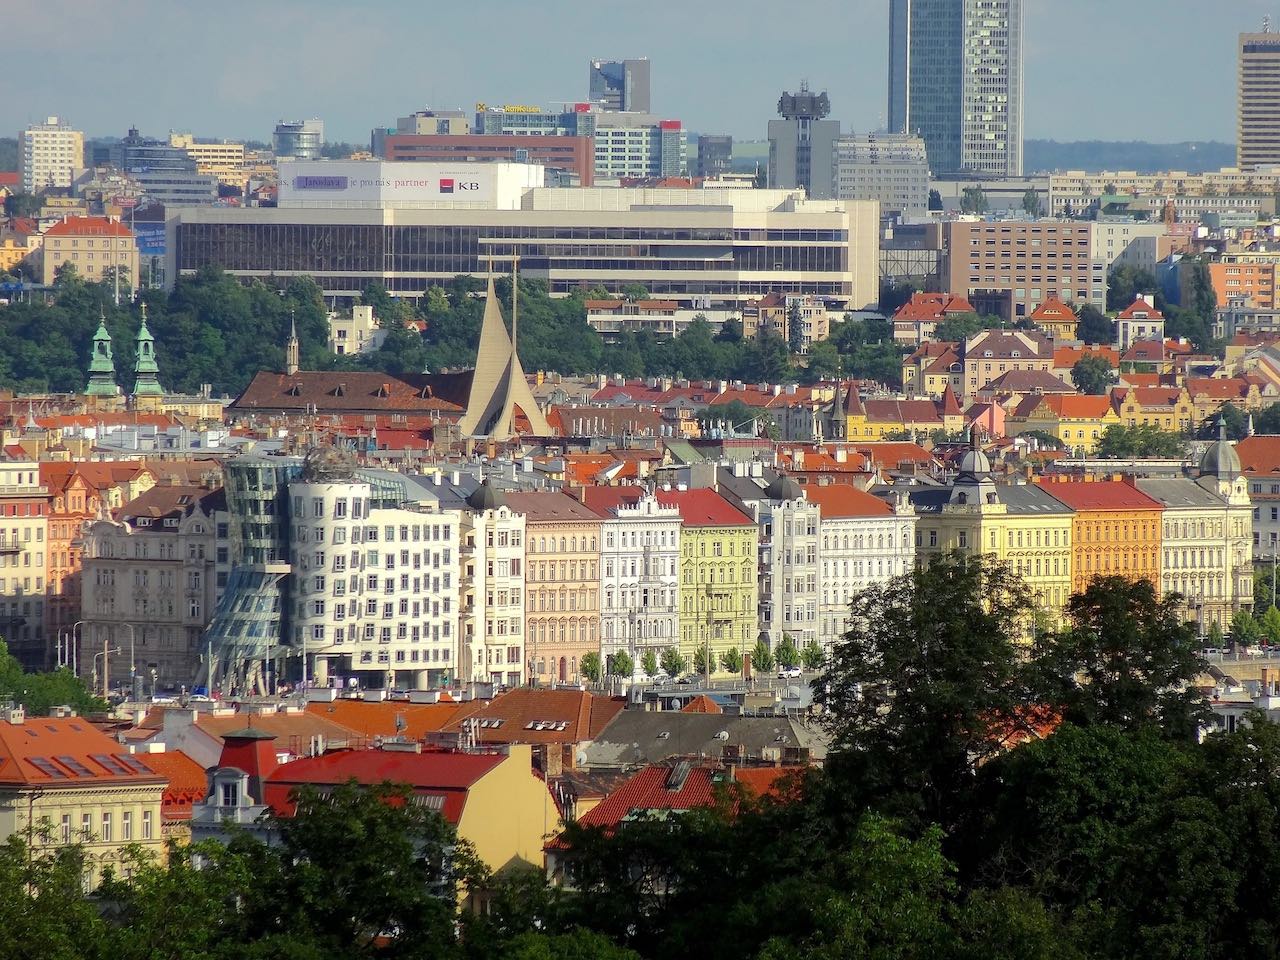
(285, 69)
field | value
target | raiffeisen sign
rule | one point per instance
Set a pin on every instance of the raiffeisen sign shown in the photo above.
(376, 183)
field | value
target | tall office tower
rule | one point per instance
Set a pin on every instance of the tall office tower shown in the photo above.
(47, 153)
(620, 84)
(955, 79)
(1258, 120)
(298, 139)
(801, 144)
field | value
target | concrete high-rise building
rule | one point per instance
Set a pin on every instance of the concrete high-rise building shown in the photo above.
(1258, 99)
(298, 139)
(801, 144)
(891, 168)
(955, 79)
(715, 154)
(47, 153)
(620, 84)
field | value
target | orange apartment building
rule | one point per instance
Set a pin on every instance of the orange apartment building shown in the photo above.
(1115, 530)
(1251, 275)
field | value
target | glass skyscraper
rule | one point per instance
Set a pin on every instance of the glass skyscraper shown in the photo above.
(955, 80)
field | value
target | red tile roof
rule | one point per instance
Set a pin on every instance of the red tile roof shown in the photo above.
(88, 227)
(703, 507)
(1218, 388)
(932, 306)
(379, 719)
(836, 500)
(701, 704)
(66, 752)
(1064, 357)
(1052, 310)
(1139, 306)
(1260, 455)
(525, 715)
(1100, 495)
(1065, 406)
(446, 775)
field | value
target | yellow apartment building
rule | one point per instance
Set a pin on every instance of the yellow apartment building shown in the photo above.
(63, 782)
(719, 586)
(1079, 421)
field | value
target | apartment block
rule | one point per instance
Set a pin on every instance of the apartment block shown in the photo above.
(47, 154)
(1009, 267)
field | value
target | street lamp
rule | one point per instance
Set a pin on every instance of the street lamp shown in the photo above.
(105, 680)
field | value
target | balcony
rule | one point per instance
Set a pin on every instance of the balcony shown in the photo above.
(9, 546)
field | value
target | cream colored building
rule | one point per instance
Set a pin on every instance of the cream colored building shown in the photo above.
(64, 783)
(562, 583)
(493, 616)
(357, 333)
(92, 245)
(47, 154)
(223, 159)
(1072, 192)
(1131, 243)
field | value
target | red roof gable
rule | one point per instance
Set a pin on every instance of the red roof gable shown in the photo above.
(932, 306)
(1052, 309)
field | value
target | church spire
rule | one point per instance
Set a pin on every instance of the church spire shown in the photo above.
(292, 351)
(102, 365)
(146, 382)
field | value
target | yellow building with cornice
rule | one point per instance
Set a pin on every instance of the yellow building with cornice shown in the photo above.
(719, 586)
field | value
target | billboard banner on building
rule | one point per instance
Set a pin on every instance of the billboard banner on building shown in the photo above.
(323, 183)
(150, 238)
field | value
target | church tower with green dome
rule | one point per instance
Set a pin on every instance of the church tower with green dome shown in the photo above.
(146, 371)
(102, 365)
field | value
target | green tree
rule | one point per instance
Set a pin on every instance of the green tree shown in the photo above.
(634, 292)
(1125, 283)
(935, 200)
(589, 666)
(730, 331)
(824, 362)
(22, 205)
(974, 201)
(1031, 204)
(1214, 637)
(673, 664)
(1269, 624)
(761, 657)
(1128, 659)
(1092, 374)
(894, 295)
(962, 326)
(1244, 629)
(621, 664)
(787, 654)
(1044, 438)
(795, 328)
(812, 655)
(1144, 440)
(1094, 326)
(649, 663)
(731, 661)
(39, 693)
(700, 661)
(926, 684)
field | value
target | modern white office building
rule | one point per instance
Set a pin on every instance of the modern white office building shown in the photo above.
(890, 168)
(412, 225)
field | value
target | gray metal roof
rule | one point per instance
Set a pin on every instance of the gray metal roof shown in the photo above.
(1029, 498)
(1180, 493)
(641, 737)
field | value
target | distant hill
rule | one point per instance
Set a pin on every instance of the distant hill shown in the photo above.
(1097, 155)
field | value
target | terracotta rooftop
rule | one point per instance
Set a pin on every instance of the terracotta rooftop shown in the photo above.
(527, 715)
(703, 507)
(379, 718)
(88, 227)
(551, 507)
(1099, 495)
(837, 500)
(932, 306)
(66, 752)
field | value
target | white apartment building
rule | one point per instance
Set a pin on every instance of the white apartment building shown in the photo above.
(24, 528)
(891, 168)
(493, 615)
(47, 154)
(1129, 242)
(377, 590)
(788, 552)
(864, 541)
(639, 574)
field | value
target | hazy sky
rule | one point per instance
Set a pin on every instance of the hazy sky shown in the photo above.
(1160, 70)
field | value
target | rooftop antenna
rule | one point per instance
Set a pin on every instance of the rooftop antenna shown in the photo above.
(1266, 23)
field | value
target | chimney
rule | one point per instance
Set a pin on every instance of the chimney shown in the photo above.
(252, 751)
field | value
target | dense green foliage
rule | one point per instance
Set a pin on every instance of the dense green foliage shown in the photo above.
(1092, 374)
(214, 329)
(37, 693)
(1094, 326)
(1144, 440)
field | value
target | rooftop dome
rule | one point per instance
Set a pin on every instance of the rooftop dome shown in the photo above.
(1221, 459)
(486, 497)
(783, 487)
(975, 463)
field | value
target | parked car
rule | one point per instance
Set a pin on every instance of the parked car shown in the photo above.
(789, 673)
